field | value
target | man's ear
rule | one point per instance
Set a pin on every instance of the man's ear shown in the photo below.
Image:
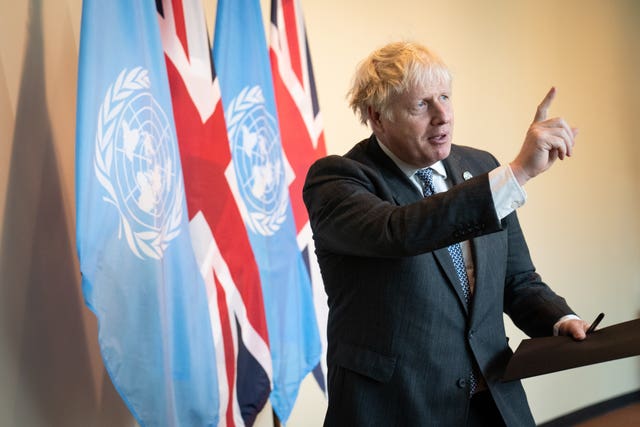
(374, 119)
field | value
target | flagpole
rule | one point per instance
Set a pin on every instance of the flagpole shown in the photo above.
(276, 421)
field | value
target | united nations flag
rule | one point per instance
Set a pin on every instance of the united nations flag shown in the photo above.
(139, 274)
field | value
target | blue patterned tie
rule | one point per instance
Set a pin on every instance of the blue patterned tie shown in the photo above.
(426, 176)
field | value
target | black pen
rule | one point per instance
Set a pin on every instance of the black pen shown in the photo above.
(595, 323)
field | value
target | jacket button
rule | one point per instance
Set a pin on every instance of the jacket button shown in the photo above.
(462, 383)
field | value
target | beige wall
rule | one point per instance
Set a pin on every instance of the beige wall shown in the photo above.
(582, 218)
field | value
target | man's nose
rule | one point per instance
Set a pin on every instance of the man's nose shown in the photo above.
(441, 113)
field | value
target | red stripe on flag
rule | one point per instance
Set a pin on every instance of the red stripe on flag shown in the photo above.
(291, 27)
(229, 354)
(296, 142)
(181, 27)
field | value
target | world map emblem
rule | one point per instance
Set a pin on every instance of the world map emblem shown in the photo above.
(258, 161)
(136, 162)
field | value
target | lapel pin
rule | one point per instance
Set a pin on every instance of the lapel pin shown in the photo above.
(467, 175)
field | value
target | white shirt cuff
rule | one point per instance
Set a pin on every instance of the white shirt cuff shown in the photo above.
(507, 194)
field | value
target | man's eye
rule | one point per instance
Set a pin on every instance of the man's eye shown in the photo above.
(444, 97)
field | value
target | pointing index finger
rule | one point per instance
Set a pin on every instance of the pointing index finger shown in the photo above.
(541, 112)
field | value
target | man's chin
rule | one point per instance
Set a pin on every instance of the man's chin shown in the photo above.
(441, 152)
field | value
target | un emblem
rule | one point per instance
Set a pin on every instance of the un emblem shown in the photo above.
(258, 161)
(136, 162)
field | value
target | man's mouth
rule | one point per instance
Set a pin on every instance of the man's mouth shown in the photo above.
(439, 138)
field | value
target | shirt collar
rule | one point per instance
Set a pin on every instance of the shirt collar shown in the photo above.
(409, 170)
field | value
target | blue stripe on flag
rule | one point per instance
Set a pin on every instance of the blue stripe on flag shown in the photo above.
(139, 275)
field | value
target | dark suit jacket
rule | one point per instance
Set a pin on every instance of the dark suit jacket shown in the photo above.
(401, 341)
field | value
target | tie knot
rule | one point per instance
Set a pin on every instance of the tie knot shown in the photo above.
(426, 176)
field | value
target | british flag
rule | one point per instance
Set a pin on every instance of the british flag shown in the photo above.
(220, 240)
(302, 134)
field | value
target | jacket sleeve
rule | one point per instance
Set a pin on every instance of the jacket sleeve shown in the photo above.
(353, 211)
(532, 305)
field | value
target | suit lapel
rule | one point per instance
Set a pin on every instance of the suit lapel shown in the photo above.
(457, 173)
(404, 191)
(455, 168)
(446, 263)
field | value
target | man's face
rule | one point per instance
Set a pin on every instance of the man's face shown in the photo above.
(422, 125)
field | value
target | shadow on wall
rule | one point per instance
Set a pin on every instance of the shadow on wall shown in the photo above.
(41, 308)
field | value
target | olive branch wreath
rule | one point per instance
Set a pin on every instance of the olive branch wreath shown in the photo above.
(267, 225)
(151, 243)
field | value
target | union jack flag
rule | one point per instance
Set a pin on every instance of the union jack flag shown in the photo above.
(219, 236)
(302, 134)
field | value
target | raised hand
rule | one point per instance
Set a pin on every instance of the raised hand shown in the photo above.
(546, 141)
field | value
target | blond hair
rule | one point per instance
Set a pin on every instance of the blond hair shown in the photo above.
(390, 71)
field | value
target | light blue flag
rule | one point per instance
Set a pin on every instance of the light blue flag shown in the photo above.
(259, 175)
(139, 274)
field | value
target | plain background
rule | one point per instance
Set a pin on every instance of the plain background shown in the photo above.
(582, 219)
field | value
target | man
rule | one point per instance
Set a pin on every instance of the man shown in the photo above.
(419, 264)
